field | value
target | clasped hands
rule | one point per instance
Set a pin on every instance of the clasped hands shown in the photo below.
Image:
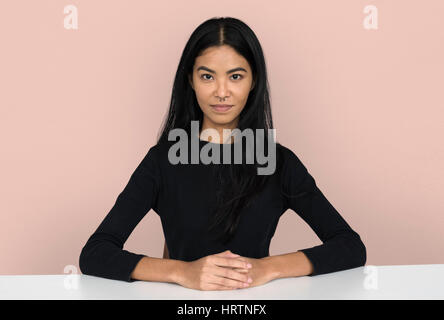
(225, 271)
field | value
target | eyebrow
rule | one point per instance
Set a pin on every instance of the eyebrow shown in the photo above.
(229, 71)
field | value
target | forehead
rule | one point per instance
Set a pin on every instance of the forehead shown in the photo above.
(221, 57)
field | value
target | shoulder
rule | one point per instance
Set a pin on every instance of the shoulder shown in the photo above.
(161, 148)
(158, 153)
(287, 156)
(150, 160)
(289, 163)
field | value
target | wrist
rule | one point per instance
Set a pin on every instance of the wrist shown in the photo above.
(178, 274)
(270, 267)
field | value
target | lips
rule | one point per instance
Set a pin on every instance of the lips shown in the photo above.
(221, 107)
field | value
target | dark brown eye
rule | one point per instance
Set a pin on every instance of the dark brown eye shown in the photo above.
(205, 74)
(240, 76)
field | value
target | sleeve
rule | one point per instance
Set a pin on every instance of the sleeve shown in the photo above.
(103, 254)
(341, 246)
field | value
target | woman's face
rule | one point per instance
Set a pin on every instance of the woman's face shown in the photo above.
(221, 76)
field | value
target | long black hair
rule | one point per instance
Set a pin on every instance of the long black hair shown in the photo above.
(239, 183)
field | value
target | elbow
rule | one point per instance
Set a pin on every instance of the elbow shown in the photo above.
(359, 253)
(83, 265)
(356, 252)
(362, 254)
(85, 260)
(91, 255)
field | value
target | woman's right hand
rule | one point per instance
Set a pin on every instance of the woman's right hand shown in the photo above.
(222, 271)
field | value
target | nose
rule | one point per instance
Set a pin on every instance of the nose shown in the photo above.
(222, 90)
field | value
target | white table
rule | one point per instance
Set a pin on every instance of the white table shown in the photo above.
(363, 283)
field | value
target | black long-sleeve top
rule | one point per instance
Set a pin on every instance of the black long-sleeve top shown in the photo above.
(181, 194)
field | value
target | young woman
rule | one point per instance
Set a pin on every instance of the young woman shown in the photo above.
(218, 219)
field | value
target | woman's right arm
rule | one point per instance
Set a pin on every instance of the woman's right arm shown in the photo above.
(158, 269)
(103, 254)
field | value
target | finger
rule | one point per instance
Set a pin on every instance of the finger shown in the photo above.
(237, 257)
(236, 278)
(232, 263)
(242, 270)
(228, 253)
(226, 282)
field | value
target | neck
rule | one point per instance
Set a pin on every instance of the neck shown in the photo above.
(208, 137)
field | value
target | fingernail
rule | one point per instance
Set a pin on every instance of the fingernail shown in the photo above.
(250, 280)
(249, 265)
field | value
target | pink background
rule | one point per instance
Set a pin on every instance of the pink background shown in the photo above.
(80, 108)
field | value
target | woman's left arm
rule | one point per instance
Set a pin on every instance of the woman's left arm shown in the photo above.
(341, 248)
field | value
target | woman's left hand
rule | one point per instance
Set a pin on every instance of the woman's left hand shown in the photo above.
(260, 271)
